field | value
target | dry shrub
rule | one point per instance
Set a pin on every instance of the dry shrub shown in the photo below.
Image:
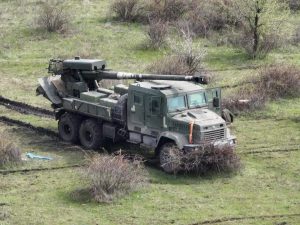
(157, 33)
(205, 16)
(54, 17)
(209, 158)
(294, 5)
(274, 81)
(212, 158)
(9, 153)
(166, 10)
(279, 81)
(296, 39)
(185, 59)
(244, 101)
(114, 176)
(169, 65)
(126, 10)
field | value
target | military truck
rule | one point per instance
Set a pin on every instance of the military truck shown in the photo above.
(161, 112)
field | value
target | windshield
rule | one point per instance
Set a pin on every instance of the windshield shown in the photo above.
(197, 100)
(176, 103)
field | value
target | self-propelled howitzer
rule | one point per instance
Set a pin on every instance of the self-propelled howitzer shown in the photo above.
(163, 112)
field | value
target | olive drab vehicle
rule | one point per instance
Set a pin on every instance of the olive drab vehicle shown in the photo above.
(162, 112)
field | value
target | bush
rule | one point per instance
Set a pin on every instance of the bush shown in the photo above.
(126, 10)
(244, 40)
(273, 82)
(208, 159)
(279, 81)
(157, 33)
(244, 101)
(185, 58)
(294, 5)
(166, 10)
(263, 25)
(9, 152)
(205, 16)
(296, 39)
(114, 176)
(53, 17)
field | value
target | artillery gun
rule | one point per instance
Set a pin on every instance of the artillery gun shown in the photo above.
(162, 112)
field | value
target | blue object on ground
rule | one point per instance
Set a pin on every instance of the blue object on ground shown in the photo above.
(34, 156)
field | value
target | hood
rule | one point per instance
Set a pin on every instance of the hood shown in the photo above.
(201, 117)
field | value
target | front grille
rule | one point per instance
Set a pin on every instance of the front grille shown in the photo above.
(214, 135)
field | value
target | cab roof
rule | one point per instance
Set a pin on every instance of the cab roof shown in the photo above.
(168, 87)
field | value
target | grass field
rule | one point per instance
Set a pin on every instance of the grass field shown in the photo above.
(265, 191)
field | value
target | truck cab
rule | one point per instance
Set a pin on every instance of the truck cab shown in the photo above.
(181, 112)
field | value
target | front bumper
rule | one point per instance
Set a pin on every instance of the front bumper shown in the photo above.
(231, 141)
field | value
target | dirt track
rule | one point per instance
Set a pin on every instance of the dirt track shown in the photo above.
(25, 108)
(231, 219)
(39, 130)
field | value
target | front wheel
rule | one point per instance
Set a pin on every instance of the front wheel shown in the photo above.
(90, 134)
(68, 127)
(170, 157)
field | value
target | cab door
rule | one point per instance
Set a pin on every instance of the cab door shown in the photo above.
(136, 108)
(153, 112)
(213, 97)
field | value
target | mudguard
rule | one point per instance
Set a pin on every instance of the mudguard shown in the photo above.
(180, 139)
(50, 91)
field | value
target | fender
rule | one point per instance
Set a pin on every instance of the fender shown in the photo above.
(180, 139)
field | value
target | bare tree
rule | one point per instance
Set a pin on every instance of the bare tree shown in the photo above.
(263, 24)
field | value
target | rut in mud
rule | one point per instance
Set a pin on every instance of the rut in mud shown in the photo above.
(39, 130)
(25, 108)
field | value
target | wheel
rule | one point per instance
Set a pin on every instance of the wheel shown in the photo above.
(170, 157)
(90, 134)
(68, 127)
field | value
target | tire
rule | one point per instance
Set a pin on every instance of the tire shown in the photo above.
(68, 127)
(170, 157)
(90, 134)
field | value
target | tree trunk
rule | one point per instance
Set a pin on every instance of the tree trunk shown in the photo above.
(255, 30)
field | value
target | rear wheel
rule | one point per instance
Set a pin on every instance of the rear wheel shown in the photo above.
(170, 157)
(90, 134)
(68, 127)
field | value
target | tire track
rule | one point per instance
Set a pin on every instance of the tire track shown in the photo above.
(6, 172)
(232, 219)
(39, 130)
(258, 151)
(25, 108)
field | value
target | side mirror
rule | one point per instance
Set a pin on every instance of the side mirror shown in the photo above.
(216, 102)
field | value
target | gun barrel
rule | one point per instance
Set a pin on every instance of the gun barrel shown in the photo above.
(110, 75)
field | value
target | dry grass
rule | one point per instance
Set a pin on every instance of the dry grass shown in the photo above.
(114, 176)
(10, 154)
(54, 17)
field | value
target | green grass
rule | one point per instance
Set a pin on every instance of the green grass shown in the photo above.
(268, 184)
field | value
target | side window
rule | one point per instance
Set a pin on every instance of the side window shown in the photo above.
(209, 96)
(155, 105)
(137, 99)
